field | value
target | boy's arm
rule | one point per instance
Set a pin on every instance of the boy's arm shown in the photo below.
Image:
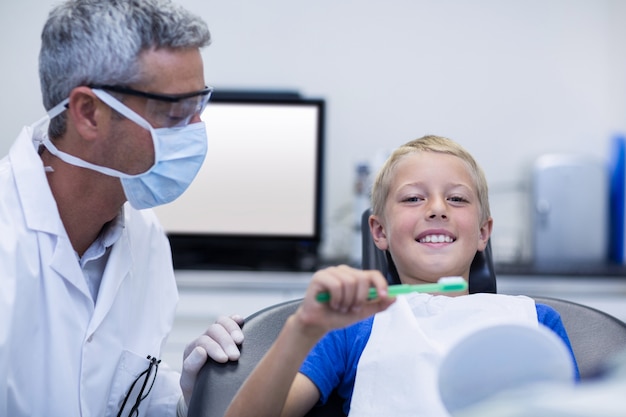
(550, 318)
(275, 387)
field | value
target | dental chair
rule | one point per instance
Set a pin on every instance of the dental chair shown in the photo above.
(217, 383)
(595, 336)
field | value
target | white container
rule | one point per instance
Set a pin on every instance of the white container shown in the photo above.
(570, 209)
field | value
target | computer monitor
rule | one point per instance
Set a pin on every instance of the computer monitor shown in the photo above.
(256, 202)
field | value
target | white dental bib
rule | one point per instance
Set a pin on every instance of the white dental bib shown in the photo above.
(398, 370)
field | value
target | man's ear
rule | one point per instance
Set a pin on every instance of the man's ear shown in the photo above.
(377, 231)
(85, 111)
(485, 234)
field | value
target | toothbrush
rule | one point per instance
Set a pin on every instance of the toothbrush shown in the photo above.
(446, 284)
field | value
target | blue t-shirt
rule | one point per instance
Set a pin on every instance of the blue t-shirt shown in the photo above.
(332, 363)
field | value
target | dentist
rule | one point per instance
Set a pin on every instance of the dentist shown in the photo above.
(87, 288)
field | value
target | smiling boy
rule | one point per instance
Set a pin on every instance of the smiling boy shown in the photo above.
(430, 210)
(426, 204)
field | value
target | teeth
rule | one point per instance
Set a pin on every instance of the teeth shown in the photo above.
(436, 239)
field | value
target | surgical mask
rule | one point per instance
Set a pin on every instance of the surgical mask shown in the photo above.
(178, 155)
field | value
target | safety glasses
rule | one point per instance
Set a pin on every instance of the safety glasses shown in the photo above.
(164, 110)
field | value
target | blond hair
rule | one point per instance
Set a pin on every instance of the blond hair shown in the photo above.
(429, 143)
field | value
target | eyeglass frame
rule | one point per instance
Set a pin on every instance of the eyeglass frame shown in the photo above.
(168, 98)
(171, 98)
(154, 363)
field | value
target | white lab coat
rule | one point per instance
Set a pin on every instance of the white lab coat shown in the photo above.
(59, 354)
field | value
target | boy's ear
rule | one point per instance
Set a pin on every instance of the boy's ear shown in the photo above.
(377, 231)
(485, 234)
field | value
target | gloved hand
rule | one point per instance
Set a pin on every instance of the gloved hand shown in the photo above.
(219, 342)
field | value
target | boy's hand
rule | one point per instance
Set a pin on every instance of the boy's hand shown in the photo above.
(349, 298)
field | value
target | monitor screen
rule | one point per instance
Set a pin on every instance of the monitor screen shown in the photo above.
(256, 200)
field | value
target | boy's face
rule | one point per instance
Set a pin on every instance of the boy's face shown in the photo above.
(431, 223)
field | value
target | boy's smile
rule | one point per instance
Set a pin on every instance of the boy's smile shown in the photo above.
(435, 236)
(432, 218)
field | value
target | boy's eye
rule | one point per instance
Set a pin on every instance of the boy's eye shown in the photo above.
(413, 199)
(457, 199)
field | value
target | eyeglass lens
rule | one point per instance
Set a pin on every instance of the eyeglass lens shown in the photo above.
(175, 114)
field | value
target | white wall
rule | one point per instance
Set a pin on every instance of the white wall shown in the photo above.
(507, 79)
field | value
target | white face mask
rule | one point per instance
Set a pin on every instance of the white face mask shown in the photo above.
(178, 155)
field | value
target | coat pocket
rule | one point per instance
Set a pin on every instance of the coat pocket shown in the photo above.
(131, 384)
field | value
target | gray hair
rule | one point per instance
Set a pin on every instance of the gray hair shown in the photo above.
(98, 42)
